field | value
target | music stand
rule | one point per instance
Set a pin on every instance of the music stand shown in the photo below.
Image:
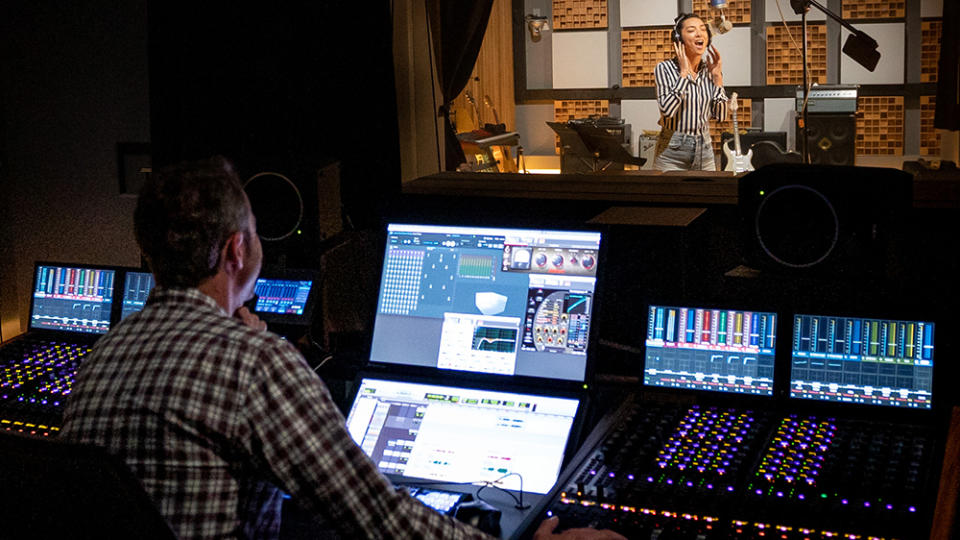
(605, 147)
(574, 154)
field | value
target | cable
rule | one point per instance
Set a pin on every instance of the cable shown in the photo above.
(486, 483)
(783, 20)
(519, 505)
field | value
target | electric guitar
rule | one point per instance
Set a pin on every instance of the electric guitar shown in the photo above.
(736, 160)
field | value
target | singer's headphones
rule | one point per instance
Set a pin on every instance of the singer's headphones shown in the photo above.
(678, 27)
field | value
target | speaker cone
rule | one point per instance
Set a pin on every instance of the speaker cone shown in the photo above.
(797, 226)
(276, 203)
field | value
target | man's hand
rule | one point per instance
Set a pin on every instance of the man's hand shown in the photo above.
(545, 532)
(250, 319)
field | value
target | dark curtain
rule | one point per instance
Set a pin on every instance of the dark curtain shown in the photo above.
(948, 78)
(457, 29)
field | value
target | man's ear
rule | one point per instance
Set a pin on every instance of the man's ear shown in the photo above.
(232, 254)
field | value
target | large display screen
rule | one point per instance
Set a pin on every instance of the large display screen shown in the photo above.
(501, 301)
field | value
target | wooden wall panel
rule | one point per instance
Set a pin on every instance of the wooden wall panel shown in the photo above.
(880, 126)
(929, 137)
(579, 14)
(785, 60)
(874, 9)
(641, 51)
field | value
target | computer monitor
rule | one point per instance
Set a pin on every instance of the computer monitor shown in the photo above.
(504, 301)
(715, 349)
(862, 360)
(136, 288)
(449, 434)
(71, 298)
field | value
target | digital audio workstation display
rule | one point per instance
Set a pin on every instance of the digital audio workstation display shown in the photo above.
(72, 299)
(503, 301)
(136, 290)
(282, 296)
(858, 360)
(462, 435)
(710, 349)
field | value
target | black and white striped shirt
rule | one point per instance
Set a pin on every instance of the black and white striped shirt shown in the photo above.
(687, 104)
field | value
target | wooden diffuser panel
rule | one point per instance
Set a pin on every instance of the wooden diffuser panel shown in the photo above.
(929, 138)
(880, 126)
(579, 14)
(930, 49)
(737, 11)
(718, 128)
(785, 62)
(569, 109)
(641, 51)
(874, 9)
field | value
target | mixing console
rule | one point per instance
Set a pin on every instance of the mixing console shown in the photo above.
(35, 378)
(654, 470)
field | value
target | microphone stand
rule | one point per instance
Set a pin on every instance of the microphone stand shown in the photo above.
(800, 7)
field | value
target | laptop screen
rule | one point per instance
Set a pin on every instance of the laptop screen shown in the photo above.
(487, 300)
(136, 288)
(462, 435)
(71, 298)
(721, 350)
(859, 360)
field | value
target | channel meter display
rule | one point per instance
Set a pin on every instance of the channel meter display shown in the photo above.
(722, 350)
(858, 360)
(72, 299)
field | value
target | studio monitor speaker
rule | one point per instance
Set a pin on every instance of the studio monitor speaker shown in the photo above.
(831, 138)
(821, 218)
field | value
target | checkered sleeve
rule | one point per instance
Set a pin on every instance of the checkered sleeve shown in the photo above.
(303, 438)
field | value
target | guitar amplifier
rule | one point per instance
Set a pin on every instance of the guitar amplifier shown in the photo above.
(829, 99)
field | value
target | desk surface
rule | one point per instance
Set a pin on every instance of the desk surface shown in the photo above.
(698, 187)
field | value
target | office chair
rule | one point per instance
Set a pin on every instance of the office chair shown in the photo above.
(52, 489)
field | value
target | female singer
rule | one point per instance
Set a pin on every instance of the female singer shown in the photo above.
(689, 91)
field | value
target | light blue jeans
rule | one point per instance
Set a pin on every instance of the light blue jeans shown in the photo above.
(686, 153)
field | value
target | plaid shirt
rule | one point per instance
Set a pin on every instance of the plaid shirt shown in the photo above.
(215, 418)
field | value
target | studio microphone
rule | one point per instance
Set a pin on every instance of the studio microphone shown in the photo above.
(720, 25)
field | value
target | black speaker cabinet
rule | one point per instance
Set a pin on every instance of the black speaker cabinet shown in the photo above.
(831, 138)
(822, 219)
(301, 102)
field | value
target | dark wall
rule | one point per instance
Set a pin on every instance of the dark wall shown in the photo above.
(292, 85)
(73, 83)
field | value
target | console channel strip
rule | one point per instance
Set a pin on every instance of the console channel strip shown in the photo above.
(35, 379)
(653, 470)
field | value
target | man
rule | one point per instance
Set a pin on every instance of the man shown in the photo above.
(215, 415)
